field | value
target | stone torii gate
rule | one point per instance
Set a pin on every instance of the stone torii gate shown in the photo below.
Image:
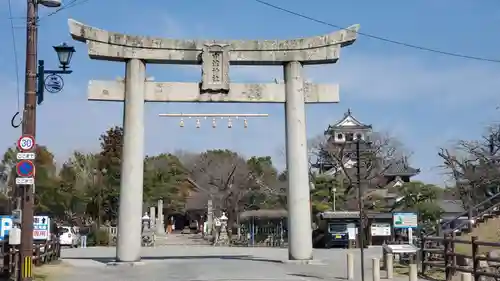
(215, 58)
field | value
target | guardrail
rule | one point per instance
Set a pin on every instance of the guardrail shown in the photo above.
(10, 260)
(445, 256)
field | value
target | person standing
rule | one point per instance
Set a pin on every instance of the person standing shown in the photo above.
(84, 232)
(172, 221)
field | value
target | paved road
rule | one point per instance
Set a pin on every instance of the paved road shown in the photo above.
(207, 263)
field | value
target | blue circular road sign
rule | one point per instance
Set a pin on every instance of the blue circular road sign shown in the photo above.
(25, 168)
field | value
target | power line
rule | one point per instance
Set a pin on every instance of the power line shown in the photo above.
(71, 4)
(16, 60)
(400, 43)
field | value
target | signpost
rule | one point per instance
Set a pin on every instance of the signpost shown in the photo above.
(25, 171)
(25, 168)
(5, 225)
(41, 227)
(26, 143)
(407, 221)
(380, 229)
(54, 83)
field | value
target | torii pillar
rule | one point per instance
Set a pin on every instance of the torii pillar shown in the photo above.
(215, 58)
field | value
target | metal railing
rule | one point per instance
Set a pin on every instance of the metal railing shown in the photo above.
(476, 209)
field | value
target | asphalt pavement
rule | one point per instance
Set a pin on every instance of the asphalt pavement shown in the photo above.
(209, 263)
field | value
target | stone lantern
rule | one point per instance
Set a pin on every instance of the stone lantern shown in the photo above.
(223, 237)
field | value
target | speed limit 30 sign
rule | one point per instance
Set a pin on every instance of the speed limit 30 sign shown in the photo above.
(26, 143)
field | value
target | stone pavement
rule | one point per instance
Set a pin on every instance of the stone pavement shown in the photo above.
(207, 263)
(180, 239)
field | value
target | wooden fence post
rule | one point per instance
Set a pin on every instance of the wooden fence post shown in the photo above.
(38, 260)
(475, 260)
(422, 253)
(446, 242)
(453, 257)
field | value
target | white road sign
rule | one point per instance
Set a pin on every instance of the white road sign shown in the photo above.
(25, 181)
(26, 143)
(41, 227)
(26, 156)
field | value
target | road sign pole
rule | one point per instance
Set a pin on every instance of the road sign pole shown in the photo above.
(29, 128)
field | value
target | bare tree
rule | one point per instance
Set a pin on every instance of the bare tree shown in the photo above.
(474, 167)
(231, 182)
(225, 176)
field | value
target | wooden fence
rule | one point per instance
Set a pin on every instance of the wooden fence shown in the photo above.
(440, 252)
(10, 260)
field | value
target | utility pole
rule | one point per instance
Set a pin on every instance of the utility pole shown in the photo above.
(361, 231)
(29, 128)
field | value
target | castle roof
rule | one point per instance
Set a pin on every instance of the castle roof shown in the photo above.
(348, 122)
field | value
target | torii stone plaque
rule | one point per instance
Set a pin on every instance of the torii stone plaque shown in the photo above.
(215, 58)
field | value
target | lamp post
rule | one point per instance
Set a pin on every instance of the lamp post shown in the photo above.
(334, 195)
(47, 80)
(29, 129)
(51, 80)
(362, 218)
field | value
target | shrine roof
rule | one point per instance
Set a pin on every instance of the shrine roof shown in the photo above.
(400, 168)
(353, 215)
(198, 197)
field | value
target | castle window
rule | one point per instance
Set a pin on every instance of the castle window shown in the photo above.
(349, 137)
(340, 136)
(359, 136)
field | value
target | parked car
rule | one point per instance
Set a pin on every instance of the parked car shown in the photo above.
(67, 236)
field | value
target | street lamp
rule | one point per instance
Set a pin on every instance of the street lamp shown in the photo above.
(53, 82)
(362, 219)
(50, 3)
(334, 193)
(64, 54)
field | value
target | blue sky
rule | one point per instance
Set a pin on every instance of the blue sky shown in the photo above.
(424, 99)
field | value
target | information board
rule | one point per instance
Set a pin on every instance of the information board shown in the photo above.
(5, 226)
(41, 228)
(405, 220)
(380, 229)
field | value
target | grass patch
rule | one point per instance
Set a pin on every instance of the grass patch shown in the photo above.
(40, 277)
(48, 272)
(488, 231)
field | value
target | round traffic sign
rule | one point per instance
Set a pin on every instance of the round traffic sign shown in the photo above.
(25, 168)
(26, 143)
